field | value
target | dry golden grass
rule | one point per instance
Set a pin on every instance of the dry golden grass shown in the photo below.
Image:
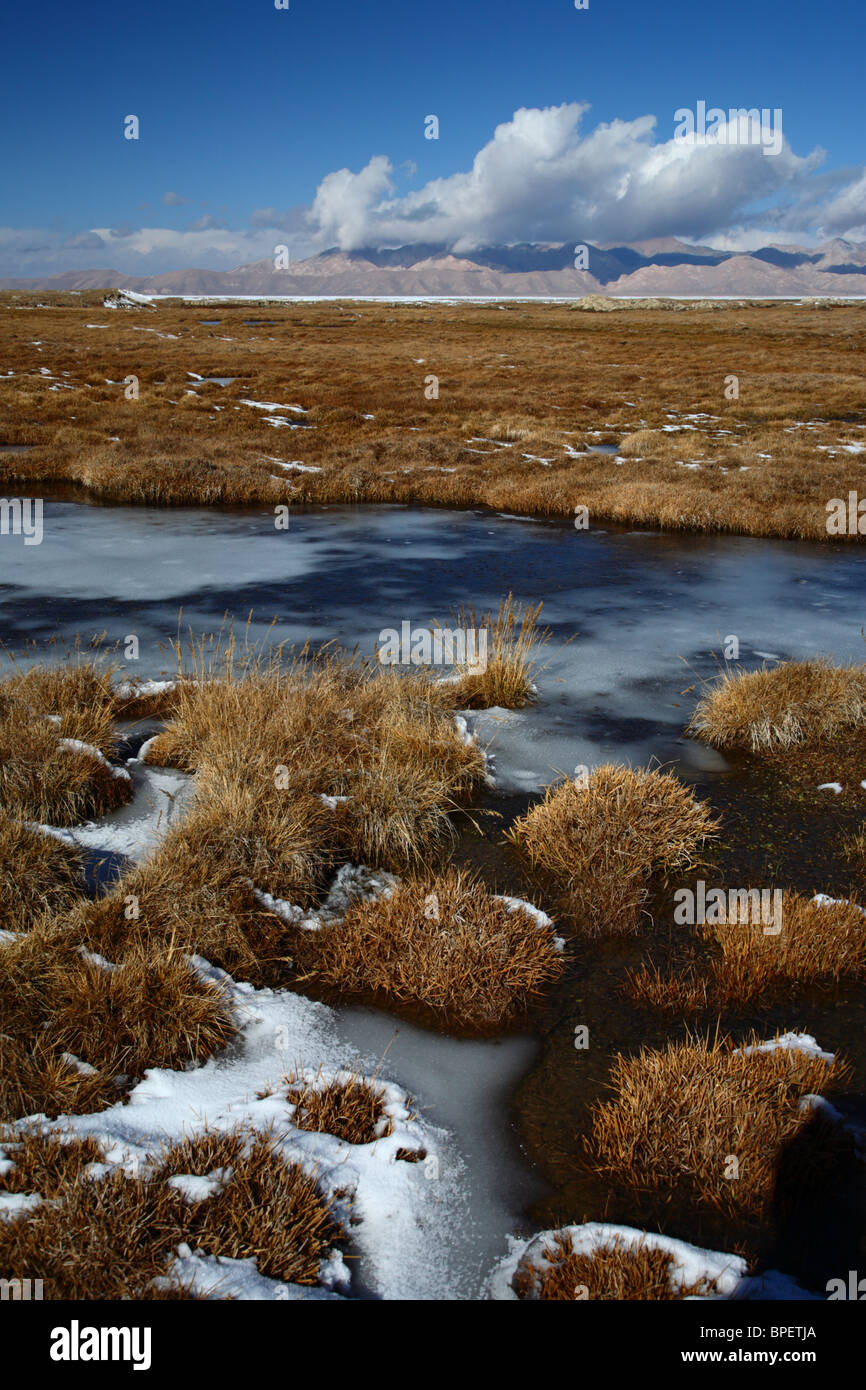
(854, 850)
(616, 1270)
(679, 1115)
(269, 1209)
(571, 379)
(445, 944)
(38, 873)
(147, 1010)
(781, 707)
(47, 1163)
(195, 892)
(269, 742)
(349, 1107)
(598, 840)
(110, 1237)
(512, 638)
(324, 726)
(687, 990)
(43, 780)
(818, 942)
(45, 713)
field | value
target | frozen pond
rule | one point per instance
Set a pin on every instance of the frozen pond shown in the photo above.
(651, 611)
(636, 619)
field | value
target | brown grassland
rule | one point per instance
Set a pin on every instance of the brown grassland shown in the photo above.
(309, 761)
(518, 383)
(351, 1107)
(445, 944)
(782, 707)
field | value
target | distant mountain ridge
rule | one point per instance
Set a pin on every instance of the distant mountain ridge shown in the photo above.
(663, 267)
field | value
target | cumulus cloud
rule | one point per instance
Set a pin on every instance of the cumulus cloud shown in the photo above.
(845, 214)
(543, 176)
(540, 178)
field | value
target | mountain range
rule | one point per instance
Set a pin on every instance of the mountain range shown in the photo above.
(666, 267)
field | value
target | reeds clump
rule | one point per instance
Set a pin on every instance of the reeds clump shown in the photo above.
(347, 1106)
(678, 1115)
(38, 873)
(445, 945)
(110, 1236)
(616, 1269)
(509, 641)
(320, 725)
(790, 704)
(75, 1027)
(599, 839)
(820, 940)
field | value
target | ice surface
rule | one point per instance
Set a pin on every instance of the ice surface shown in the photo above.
(651, 610)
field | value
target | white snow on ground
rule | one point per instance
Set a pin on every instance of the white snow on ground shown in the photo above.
(14, 1203)
(217, 1276)
(353, 883)
(88, 748)
(134, 829)
(788, 1042)
(196, 1189)
(409, 1211)
(830, 787)
(824, 900)
(690, 1263)
(295, 466)
(135, 689)
(540, 918)
(272, 405)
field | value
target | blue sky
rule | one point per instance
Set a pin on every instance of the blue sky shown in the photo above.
(245, 110)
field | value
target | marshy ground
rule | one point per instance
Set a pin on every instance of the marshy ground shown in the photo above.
(535, 408)
(303, 766)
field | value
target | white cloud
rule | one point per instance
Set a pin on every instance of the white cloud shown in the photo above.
(845, 215)
(541, 179)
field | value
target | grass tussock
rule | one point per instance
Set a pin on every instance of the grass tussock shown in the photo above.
(819, 942)
(195, 893)
(504, 677)
(75, 1028)
(679, 1115)
(38, 873)
(111, 1236)
(790, 704)
(598, 840)
(44, 779)
(48, 1163)
(323, 726)
(617, 1270)
(57, 736)
(267, 1208)
(350, 1107)
(445, 945)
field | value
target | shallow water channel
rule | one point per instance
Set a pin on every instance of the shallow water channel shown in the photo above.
(637, 618)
